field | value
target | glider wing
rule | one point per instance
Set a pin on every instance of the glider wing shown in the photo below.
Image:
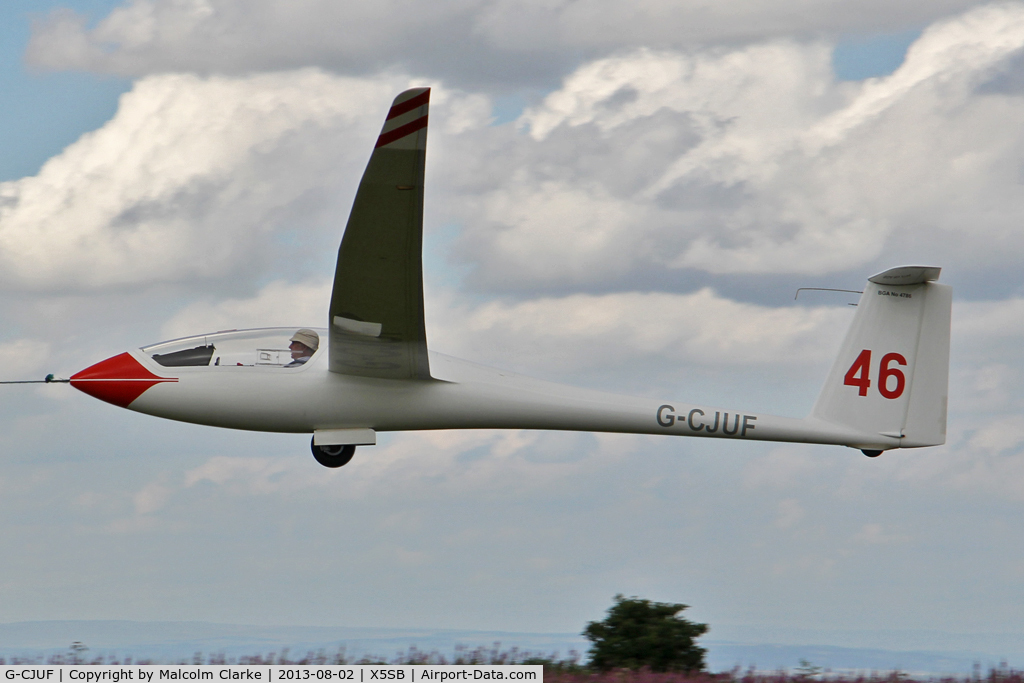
(376, 313)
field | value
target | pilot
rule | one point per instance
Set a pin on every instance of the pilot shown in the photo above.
(304, 345)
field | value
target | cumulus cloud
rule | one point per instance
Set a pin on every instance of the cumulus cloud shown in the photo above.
(255, 476)
(517, 461)
(151, 497)
(989, 464)
(999, 435)
(987, 373)
(581, 332)
(982, 324)
(511, 41)
(790, 513)
(877, 533)
(784, 468)
(278, 304)
(755, 160)
(644, 167)
(210, 183)
(23, 356)
(191, 180)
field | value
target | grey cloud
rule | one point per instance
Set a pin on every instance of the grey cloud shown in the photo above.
(1006, 79)
(646, 169)
(753, 161)
(191, 180)
(469, 43)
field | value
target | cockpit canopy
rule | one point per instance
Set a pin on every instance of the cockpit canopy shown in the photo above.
(276, 347)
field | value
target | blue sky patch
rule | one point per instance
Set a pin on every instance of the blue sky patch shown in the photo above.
(44, 112)
(858, 57)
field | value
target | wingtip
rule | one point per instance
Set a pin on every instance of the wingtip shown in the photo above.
(407, 116)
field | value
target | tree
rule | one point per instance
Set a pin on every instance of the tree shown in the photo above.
(78, 650)
(638, 633)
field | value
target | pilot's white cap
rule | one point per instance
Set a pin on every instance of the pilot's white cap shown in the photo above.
(307, 337)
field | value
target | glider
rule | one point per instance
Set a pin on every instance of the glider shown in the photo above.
(371, 370)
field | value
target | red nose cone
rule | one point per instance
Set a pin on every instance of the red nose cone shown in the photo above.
(118, 380)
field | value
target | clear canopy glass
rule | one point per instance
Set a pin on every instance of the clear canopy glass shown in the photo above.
(275, 347)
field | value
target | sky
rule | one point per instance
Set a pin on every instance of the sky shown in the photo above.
(619, 196)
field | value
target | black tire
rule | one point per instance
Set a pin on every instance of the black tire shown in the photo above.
(871, 453)
(332, 456)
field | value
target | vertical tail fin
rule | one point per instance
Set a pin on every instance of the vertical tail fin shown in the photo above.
(892, 373)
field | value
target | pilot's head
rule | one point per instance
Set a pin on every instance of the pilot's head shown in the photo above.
(304, 343)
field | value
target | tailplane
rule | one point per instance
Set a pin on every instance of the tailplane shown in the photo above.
(892, 373)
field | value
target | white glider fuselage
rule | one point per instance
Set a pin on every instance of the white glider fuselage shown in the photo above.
(461, 395)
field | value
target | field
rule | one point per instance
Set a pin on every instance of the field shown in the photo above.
(556, 669)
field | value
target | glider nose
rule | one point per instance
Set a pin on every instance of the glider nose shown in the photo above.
(118, 380)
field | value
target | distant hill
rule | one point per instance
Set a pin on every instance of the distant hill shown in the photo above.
(170, 641)
(175, 640)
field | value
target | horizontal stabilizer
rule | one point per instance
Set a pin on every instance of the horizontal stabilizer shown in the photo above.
(906, 275)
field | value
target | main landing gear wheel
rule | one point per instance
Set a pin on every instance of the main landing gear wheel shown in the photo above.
(332, 456)
(871, 453)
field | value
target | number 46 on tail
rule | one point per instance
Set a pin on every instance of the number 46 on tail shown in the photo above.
(859, 374)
